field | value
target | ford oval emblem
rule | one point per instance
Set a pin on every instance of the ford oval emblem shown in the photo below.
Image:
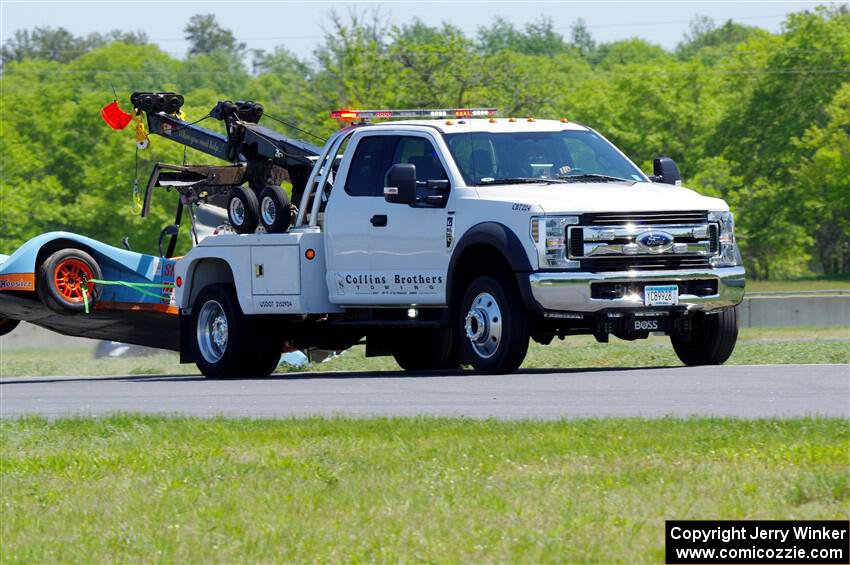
(655, 241)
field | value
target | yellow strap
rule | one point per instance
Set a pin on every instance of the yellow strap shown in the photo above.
(142, 140)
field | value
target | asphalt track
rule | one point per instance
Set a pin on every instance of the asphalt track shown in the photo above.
(739, 391)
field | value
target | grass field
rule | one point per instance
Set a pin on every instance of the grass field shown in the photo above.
(756, 346)
(151, 489)
(814, 283)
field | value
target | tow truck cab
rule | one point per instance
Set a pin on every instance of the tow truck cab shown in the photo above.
(449, 241)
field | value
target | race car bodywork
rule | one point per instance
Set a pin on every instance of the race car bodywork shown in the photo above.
(111, 309)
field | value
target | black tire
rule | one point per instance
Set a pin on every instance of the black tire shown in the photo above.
(243, 209)
(7, 325)
(488, 303)
(457, 358)
(712, 338)
(265, 350)
(216, 310)
(424, 350)
(275, 212)
(60, 281)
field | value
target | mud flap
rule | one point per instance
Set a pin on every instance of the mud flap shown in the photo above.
(186, 349)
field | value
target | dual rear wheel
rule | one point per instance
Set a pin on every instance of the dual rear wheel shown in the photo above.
(226, 343)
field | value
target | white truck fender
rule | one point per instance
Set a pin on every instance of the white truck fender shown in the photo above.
(214, 265)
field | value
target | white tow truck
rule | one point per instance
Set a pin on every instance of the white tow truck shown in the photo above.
(456, 239)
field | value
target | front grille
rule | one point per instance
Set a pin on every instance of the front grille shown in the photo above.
(611, 241)
(643, 263)
(644, 218)
(576, 242)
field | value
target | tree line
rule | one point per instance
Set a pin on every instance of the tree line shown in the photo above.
(759, 119)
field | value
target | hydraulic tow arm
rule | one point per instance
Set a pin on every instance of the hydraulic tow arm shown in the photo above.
(258, 156)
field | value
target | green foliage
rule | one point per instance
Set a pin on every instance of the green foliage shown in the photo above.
(758, 119)
(538, 38)
(582, 39)
(60, 44)
(610, 56)
(824, 174)
(205, 37)
(704, 35)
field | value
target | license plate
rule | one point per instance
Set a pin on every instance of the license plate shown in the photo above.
(661, 295)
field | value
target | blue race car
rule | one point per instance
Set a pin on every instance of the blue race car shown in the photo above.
(78, 286)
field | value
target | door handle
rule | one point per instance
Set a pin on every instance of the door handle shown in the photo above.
(379, 220)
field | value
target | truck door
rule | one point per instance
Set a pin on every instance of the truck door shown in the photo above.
(407, 257)
(408, 243)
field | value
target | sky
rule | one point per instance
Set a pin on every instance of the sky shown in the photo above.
(299, 26)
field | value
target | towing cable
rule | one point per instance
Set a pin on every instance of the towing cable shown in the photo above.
(138, 287)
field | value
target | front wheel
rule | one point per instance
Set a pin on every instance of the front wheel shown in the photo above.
(711, 340)
(426, 350)
(494, 325)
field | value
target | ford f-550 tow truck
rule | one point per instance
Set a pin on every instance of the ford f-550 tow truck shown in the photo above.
(454, 237)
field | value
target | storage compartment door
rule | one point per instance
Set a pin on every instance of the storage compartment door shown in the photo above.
(276, 269)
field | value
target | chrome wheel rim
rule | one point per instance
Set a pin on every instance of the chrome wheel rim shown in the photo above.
(212, 331)
(237, 211)
(268, 211)
(483, 325)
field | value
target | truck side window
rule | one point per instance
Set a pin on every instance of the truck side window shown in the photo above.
(420, 152)
(369, 165)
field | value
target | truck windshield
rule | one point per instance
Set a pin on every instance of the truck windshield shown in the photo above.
(552, 156)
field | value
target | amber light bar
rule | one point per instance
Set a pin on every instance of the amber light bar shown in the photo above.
(421, 113)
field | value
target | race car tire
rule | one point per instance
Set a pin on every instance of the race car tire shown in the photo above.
(218, 332)
(7, 325)
(711, 340)
(243, 209)
(275, 212)
(61, 278)
(495, 325)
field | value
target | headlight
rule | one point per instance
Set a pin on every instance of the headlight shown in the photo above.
(549, 234)
(729, 255)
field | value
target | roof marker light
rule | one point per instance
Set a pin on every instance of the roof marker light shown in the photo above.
(529, 119)
(511, 119)
(564, 120)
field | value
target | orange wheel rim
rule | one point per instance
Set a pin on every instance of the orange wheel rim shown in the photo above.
(69, 278)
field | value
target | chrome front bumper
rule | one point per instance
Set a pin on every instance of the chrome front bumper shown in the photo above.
(571, 292)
